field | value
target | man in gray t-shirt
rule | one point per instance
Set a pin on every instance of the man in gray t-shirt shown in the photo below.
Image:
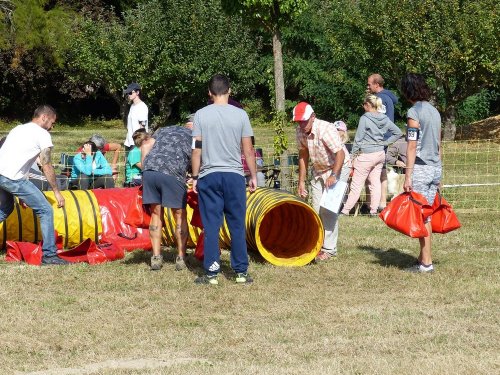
(223, 127)
(220, 133)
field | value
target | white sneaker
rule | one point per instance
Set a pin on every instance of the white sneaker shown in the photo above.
(420, 268)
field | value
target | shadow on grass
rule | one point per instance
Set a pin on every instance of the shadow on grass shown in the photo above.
(391, 257)
(193, 265)
(254, 256)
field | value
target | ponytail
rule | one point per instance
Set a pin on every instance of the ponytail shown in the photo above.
(374, 101)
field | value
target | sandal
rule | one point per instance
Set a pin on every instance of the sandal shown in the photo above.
(323, 256)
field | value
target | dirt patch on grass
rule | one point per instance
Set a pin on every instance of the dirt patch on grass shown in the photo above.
(488, 128)
(118, 364)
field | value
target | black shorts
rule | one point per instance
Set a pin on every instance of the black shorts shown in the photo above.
(160, 188)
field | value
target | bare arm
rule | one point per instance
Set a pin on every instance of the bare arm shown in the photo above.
(249, 152)
(336, 169)
(411, 154)
(50, 175)
(303, 163)
(116, 148)
(146, 148)
(195, 164)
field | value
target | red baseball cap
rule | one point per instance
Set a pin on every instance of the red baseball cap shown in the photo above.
(302, 112)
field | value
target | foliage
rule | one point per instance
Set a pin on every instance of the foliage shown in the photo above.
(34, 35)
(454, 43)
(36, 25)
(475, 107)
(270, 16)
(280, 142)
(313, 70)
(170, 47)
(258, 113)
(267, 14)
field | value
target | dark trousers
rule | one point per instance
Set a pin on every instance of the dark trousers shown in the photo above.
(85, 182)
(223, 194)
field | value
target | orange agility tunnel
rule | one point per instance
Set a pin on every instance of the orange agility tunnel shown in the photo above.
(282, 228)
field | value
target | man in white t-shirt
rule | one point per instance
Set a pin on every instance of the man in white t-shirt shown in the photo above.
(22, 146)
(138, 115)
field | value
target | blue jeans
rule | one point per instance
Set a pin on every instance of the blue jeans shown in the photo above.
(34, 198)
(223, 194)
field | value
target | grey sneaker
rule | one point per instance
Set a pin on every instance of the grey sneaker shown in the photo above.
(53, 260)
(180, 263)
(243, 278)
(419, 268)
(156, 262)
(207, 279)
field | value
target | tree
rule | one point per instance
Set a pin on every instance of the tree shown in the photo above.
(315, 72)
(33, 37)
(270, 16)
(171, 47)
(454, 43)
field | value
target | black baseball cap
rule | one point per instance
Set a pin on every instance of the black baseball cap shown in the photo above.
(134, 86)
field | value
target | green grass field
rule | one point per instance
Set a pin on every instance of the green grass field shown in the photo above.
(357, 314)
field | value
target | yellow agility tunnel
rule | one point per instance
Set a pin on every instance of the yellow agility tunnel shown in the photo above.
(285, 230)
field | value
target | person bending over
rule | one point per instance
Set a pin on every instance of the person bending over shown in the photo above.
(22, 146)
(166, 157)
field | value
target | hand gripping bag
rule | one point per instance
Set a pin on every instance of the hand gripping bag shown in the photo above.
(405, 213)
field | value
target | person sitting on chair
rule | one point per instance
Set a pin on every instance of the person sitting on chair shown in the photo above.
(104, 147)
(133, 168)
(91, 170)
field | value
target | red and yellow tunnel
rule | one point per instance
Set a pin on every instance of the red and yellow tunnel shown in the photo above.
(282, 228)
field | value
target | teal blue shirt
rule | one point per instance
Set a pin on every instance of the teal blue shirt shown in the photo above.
(131, 168)
(97, 166)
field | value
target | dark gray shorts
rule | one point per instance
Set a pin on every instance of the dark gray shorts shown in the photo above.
(159, 188)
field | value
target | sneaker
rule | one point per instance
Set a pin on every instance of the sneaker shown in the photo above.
(243, 278)
(53, 260)
(420, 268)
(180, 263)
(323, 256)
(207, 280)
(156, 262)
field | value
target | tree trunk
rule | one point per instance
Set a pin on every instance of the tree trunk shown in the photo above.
(449, 128)
(165, 109)
(123, 104)
(279, 81)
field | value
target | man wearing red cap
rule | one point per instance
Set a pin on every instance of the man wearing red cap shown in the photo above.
(319, 141)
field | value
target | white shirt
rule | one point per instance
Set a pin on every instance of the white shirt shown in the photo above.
(21, 148)
(138, 114)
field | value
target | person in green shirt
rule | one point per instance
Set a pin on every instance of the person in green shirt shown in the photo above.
(133, 168)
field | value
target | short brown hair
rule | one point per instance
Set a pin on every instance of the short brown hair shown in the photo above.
(378, 79)
(44, 109)
(139, 136)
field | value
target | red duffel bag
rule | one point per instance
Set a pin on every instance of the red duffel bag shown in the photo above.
(443, 218)
(405, 213)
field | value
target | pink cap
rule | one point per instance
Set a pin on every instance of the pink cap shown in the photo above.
(302, 112)
(340, 125)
